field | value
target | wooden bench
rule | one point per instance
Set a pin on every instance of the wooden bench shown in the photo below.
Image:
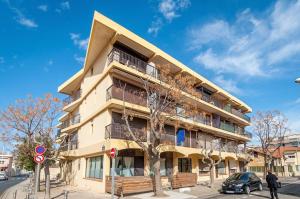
(184, 180)
(129, 185)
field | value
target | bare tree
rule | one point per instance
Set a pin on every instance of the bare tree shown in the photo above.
(165, 102)
(212, 144)
(31, 122)
(270, 128)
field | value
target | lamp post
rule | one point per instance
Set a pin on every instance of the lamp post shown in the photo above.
(297, 80)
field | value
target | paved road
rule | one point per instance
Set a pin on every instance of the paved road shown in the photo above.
(289, 190)
(4, 185)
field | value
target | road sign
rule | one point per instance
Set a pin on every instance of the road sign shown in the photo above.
(113, 152)
(39, 159)
(40, 150)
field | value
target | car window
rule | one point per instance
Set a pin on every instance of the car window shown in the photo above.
(244, 177)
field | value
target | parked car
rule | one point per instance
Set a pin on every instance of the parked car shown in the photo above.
(242, 183)
(3, 176)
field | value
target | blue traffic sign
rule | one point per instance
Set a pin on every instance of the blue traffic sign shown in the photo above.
(40, 149)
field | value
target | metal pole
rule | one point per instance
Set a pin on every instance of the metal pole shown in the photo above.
(113, 178)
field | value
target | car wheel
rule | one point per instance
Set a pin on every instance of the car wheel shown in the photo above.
(260, 188)
(247, 190)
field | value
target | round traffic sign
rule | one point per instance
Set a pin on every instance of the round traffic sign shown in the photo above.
(39, 159)
(113, 152)
(40, 149)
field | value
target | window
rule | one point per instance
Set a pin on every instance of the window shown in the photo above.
(257, 169)
(124, 166)
(163, 170)
(94, 167)
(221, 167)
(1, 161)
(203, 168)
(185, 165)
(180, 137)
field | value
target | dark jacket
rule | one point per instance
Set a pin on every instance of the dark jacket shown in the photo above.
(271, 180)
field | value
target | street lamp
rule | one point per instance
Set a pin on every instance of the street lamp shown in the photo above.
(297, 80)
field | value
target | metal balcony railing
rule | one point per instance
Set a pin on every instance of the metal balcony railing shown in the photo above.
(68, 100)
(145, 68)
(71, 121)
(132, 62)
(132, 96)
(120, 131)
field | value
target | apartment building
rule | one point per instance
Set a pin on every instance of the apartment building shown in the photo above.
(92, 123)
(292, 140)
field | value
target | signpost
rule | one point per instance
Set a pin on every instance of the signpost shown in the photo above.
(113, 155)
(40, 149)
(39, 159)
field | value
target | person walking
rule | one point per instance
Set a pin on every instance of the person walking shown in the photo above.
(272, 184)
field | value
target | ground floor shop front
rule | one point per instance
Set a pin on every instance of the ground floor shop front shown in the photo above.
(131, 165)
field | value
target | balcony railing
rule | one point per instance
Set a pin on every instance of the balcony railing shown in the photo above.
(120, 131)
(129, 95)
(114, 92)
(68, 100)
(132, 62)
(70, 145)
(71, 121)
(145, 68)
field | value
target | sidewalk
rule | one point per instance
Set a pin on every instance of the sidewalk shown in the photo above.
(58, 190)
(18, 189)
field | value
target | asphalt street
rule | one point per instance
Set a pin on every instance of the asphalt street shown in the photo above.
(4, 185)
(289, 190)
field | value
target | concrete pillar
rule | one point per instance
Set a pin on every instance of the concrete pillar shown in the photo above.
(146, 166)
(175, 163)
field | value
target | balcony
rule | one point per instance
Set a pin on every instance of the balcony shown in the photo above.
(70, 145)
(132, 96)
(120, 131)
(68, 100)
(132, 62)
(129, 95)
(71, 121)
(145, 68)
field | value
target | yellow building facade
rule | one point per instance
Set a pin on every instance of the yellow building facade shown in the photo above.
(92, 123)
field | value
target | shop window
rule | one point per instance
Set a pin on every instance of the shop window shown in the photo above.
(94, 167)
(185, 165)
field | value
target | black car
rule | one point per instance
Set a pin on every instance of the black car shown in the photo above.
(242, 183)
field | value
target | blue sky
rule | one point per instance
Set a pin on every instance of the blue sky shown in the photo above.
(250, 48)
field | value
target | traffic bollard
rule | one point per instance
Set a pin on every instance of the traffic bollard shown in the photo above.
(66, 194)
(15, 194)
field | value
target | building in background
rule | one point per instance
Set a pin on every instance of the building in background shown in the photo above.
(285, 161)
(6, 163)
(289, 140)
(93, 123)
(290, 159)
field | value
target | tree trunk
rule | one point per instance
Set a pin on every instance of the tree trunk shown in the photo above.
(212, 175)
(47, 181)
(266, 165)
(37, 177)
(157, 186)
